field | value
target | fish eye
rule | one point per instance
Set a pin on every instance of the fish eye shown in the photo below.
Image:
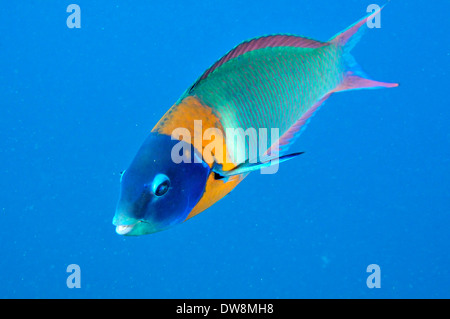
(160, 185)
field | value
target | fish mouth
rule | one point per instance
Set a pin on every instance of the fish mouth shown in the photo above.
(124, 229)
(140, 227)
(135, 227)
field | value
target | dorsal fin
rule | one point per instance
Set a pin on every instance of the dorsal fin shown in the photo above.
(269, 41)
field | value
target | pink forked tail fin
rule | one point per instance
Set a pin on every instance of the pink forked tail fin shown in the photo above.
(354, 77)
(350, 36)
(354, 81)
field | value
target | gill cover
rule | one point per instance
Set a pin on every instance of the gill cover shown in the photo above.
(164, 182)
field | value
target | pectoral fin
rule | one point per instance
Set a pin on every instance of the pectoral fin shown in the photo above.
(248, 167)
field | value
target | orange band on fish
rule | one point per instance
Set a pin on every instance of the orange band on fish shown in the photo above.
(183, 115)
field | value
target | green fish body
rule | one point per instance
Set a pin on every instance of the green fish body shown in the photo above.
(275, 83)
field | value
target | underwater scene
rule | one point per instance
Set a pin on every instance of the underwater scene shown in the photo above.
(225, 149)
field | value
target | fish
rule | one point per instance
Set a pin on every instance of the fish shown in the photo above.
(272, 84)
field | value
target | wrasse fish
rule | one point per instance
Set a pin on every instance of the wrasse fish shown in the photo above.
(272, 82)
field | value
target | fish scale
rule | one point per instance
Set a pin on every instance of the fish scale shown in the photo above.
(270, 87)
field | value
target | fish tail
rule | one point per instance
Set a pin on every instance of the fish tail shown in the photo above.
(354, 77)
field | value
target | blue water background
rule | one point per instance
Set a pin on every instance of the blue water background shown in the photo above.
(372, 187)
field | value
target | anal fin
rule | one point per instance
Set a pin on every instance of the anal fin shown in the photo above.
(289, 137)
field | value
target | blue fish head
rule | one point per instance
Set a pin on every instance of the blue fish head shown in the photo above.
(164, 182)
